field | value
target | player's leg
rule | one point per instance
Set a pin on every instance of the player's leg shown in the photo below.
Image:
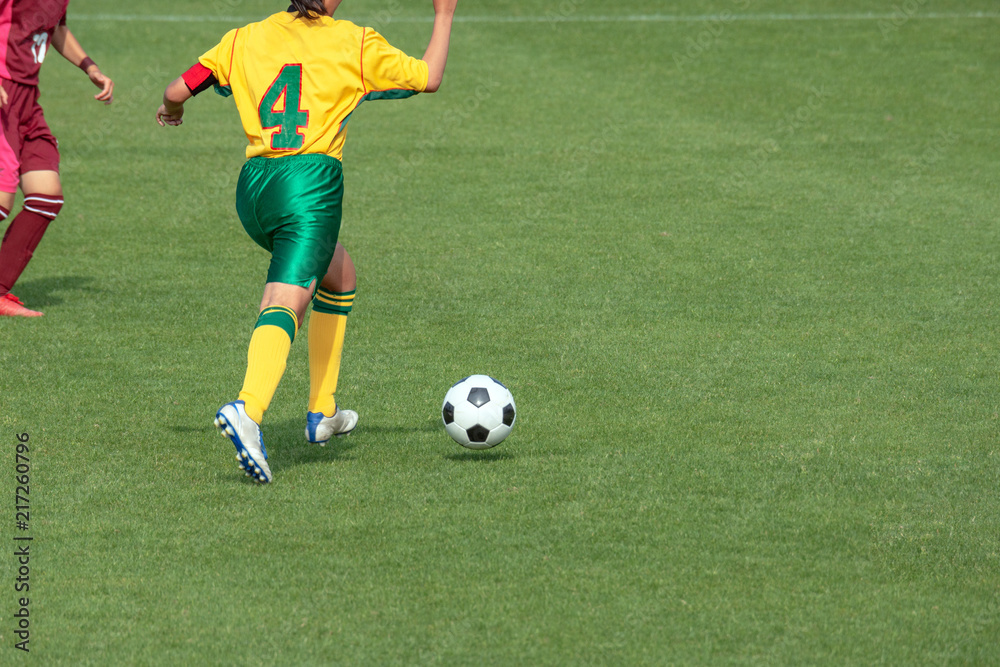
(327, 325)
(42, 202)
(291, 207)
(10, 149)
(6, 203)
(281, 311)
(9, 304)
(26, 146)
(37, 158)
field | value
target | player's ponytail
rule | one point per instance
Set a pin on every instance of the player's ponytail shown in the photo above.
(309, 9)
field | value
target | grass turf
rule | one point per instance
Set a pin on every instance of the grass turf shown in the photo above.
(741, 276)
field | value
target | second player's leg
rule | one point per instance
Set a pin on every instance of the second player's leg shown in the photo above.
(42, 183)
(43, 200)
(42, 203)
(28, 149)
(10, 148)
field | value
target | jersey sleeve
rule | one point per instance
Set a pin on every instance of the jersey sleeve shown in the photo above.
(386, 68)
(219, 59)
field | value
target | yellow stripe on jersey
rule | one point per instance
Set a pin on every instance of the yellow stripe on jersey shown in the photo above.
(297, 81)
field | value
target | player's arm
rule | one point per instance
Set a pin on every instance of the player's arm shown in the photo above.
(436, 55)
(174, 97)
(180, 90)
(70, 49)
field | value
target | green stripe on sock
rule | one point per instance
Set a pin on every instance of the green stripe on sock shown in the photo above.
(278, 317)
(345, 301)
(335, 295)
(323, 307)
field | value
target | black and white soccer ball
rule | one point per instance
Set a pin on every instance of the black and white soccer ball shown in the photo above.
(478, 412)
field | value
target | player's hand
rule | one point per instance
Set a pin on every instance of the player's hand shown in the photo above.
(106, 85)
(164, 117)
(3, 96)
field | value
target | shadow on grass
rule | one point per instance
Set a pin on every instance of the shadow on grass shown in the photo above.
(383, 431)
(40, 292)
(482, 456)
(286, 445)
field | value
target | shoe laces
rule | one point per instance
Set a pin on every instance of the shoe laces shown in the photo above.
(11, 297)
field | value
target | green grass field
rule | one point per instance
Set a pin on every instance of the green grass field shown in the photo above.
(741, 273)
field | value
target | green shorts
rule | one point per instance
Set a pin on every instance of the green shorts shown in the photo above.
(291, 206)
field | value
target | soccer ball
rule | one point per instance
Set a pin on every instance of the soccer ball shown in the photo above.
(478, 412)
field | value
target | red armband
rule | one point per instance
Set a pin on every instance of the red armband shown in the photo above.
(86, 63)
(199, 78)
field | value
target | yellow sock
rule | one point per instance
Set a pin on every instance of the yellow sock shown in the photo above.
(266, 358)
(327, 327)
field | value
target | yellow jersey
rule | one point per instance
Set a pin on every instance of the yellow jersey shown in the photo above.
(296, 81)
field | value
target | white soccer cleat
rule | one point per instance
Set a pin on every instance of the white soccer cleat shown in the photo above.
(320, 428)
(235, 424)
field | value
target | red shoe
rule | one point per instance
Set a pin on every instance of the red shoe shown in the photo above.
(14, 307)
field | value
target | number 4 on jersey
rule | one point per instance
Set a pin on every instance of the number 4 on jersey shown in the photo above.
(291, 118)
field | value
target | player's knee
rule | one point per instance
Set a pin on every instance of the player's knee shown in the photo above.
(336, 291)
(47, 206)
(341, 276)
(6, 203)
(346, 281)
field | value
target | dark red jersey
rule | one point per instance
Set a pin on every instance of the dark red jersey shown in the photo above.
(26, 28)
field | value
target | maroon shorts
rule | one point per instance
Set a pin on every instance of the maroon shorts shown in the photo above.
(26, 143)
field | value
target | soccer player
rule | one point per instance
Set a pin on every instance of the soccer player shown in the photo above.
(296, 77)
(29, 155)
